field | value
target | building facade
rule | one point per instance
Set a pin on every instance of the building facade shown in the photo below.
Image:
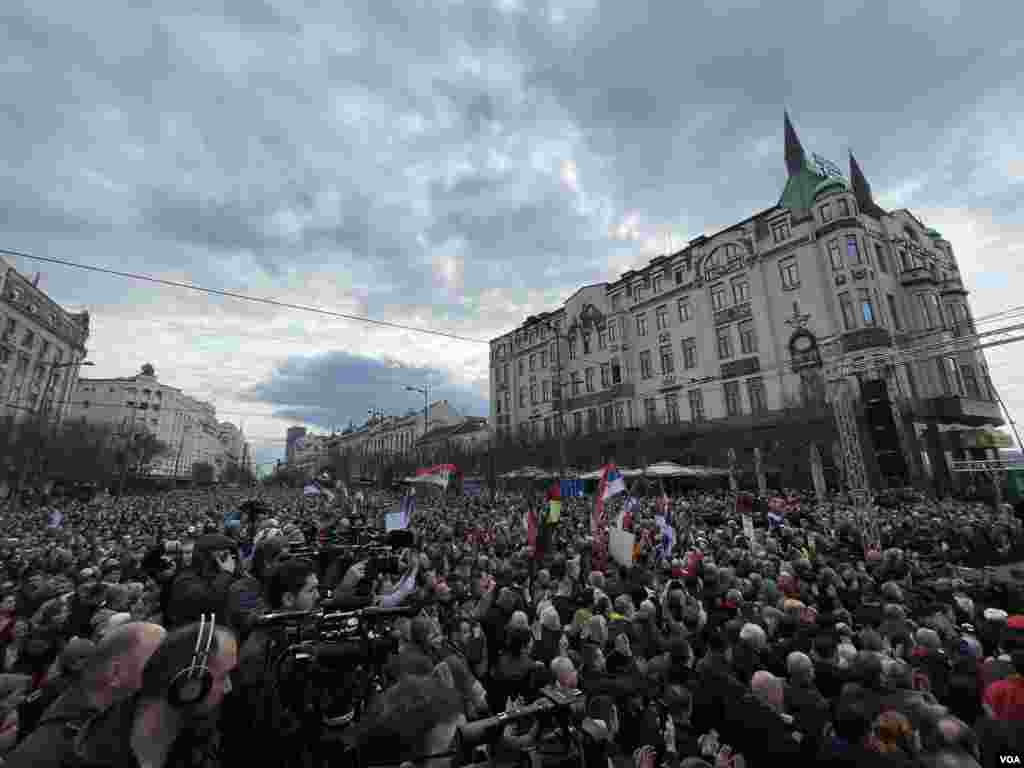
(292, 436)
(41, 345)
(140, 403)
(735, 325)
(389, 437)
(309, 453)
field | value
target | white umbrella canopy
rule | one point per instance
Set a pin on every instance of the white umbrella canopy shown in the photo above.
(671, 469)
(665, 469)
(624, 471)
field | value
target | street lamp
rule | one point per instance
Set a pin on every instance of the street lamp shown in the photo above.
(589, 317)
(425, 391)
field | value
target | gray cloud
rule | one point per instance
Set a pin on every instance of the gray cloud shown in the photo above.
(369, 141)
(337, 387)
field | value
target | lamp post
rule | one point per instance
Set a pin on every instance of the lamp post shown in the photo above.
(590, 317)
(425, 391)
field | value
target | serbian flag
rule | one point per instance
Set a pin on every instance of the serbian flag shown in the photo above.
(612, 483)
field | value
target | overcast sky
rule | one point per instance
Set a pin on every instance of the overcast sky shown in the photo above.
(459, 165)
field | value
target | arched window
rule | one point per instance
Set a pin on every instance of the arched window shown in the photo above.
(726, 257)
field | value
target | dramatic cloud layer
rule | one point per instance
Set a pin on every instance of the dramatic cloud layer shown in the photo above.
(461, 164)
(339, 388)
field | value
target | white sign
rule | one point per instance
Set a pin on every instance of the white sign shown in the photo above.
(620, 546)
(748, 528)
(826, 168)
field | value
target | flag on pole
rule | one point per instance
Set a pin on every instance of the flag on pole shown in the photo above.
(400, 520)
(612, 483)
(407, 508)
(439, 475)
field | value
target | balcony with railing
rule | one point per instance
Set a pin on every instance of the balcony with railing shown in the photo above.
(736, 312)
(964, 410)
(866, 338)
(916, 275)
(952, 285)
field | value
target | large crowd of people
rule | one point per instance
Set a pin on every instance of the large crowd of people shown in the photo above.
(135, 632)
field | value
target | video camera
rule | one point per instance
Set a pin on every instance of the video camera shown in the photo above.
(336, 638)
(558, 708)
(327, 665)
(382, 554)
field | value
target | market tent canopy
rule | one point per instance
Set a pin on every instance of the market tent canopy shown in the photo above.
(624, 471)
(671, 469)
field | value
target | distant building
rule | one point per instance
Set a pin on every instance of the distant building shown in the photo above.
(139, 403)
(309, 453)
(387, 437)
(38, 340)
(293, 435)
(471, 435)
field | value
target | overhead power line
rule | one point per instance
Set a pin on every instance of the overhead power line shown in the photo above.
(239, 296)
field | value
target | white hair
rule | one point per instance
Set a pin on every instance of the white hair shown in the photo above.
(753, 634)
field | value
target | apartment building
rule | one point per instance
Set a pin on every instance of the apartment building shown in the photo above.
(188, 426)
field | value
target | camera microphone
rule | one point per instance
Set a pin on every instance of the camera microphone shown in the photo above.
(284, 617)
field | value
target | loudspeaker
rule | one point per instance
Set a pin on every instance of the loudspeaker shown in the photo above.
(885, 436)
(874, 392)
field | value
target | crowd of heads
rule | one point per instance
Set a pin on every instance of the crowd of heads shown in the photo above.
(831, 635)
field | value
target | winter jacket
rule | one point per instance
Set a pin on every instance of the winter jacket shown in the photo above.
(51, 744)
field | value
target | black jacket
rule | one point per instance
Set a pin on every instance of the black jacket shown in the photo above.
(51, 744)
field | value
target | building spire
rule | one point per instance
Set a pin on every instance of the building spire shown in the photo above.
(861, 188)
(795, 157)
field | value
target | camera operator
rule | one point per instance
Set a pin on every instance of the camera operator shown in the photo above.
(245, 596)
(204, 589)
(256, 707)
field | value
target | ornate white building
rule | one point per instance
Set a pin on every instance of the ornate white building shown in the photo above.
(730, 328)
(40, 346)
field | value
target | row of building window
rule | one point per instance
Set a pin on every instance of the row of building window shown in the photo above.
(620, 415)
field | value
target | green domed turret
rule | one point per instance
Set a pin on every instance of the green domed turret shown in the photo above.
(832, 184)
(934, 234)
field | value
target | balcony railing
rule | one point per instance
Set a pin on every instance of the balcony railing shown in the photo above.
(744, 367)
(625, 389)
(916, 275)
(952, 285)
(866, 338)
(729, 314)
(965, 410)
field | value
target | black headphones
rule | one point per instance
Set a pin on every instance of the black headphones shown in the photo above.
(193, 683)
